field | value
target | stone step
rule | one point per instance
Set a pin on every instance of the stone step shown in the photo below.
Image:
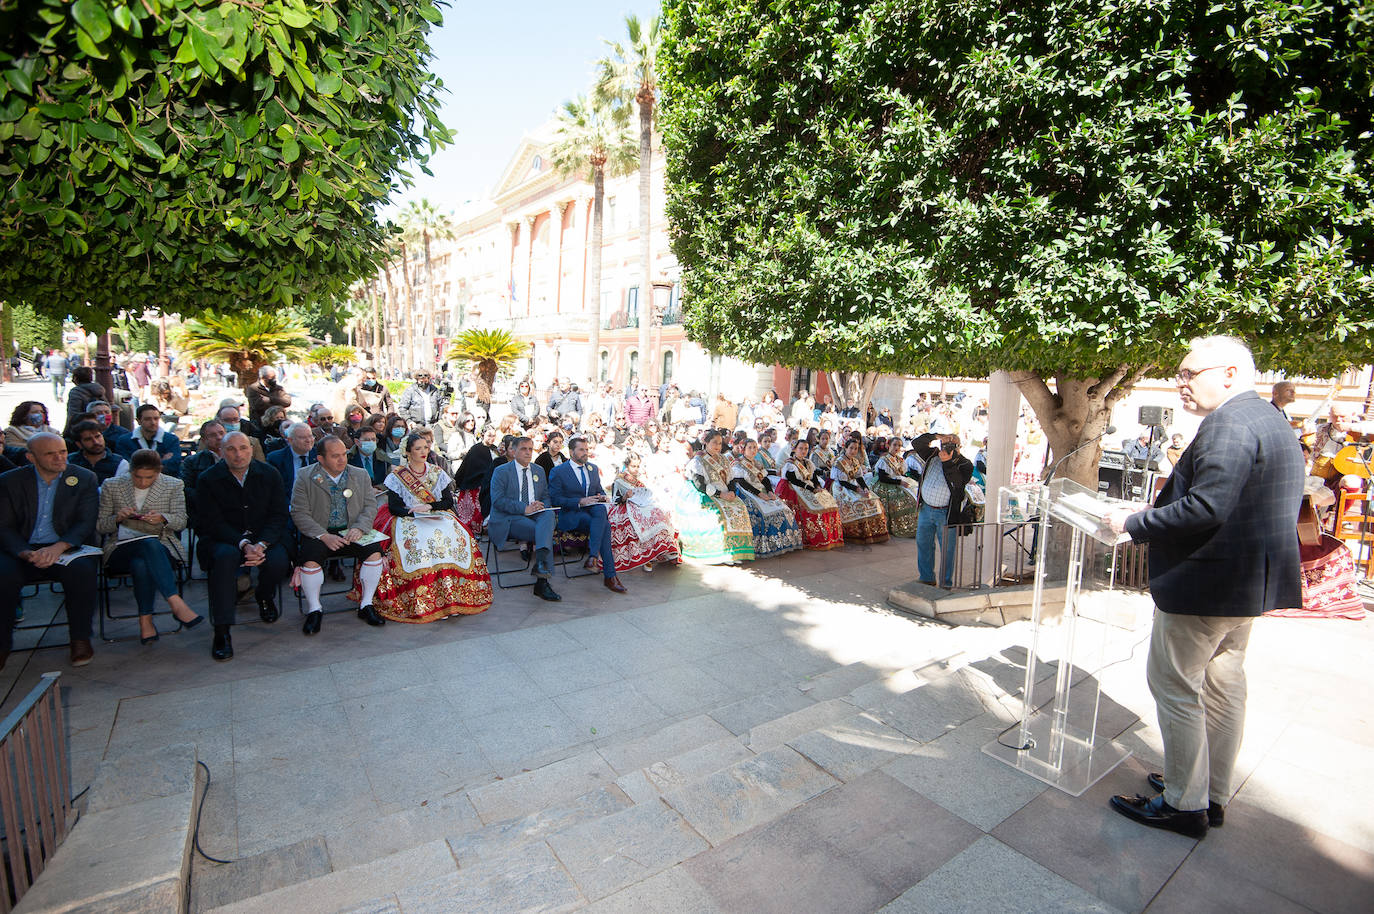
(131, 850)
(352, 886)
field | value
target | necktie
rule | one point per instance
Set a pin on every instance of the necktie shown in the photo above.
(525, 484)
(582, 472)
(302, 461)
(367, 465)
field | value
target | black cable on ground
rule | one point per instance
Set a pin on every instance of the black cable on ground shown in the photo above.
(199, 810)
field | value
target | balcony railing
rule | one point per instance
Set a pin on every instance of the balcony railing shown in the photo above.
(35, 789)
(619, 320)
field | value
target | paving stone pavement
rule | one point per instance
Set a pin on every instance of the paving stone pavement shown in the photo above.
(755, 739)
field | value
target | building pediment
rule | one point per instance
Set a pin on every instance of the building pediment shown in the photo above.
(530, 166)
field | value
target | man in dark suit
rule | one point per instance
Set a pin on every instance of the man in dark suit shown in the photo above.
(299, 454)
(1223, 550)
(45, 509)
(242, 523)
(575, 489)
(364, 456)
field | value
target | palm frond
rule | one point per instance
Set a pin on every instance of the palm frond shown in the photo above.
(590, 133)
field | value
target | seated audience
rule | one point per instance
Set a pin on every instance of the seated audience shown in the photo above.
(91, 453)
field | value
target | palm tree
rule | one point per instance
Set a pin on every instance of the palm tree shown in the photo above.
(421, 223)
(246, 340)
(629, 74)
(590, 133)
(492, 352)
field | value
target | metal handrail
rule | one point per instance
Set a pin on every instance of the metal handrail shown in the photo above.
(35, 789)
(1003, 554)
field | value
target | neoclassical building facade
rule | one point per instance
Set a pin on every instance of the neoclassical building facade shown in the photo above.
(520, 260)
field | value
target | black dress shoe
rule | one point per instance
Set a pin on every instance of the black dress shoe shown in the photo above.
(1216, 813)
(1154, 812)
(542, 563)
(189, 625)
(525, 554)
(150, 639)
(370, 615)
(543, 591)
(223, 647)
(267, 609)
(311, 626)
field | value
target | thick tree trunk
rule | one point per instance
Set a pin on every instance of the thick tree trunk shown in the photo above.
(867, 382)
(648, 360)
(594, 286)
(1076, 412)
(393, 334)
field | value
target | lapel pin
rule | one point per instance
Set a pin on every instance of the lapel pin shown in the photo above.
(71, 480)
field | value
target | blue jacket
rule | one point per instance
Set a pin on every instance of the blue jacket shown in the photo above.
(165, 443)
(505, 497)
(566, 490)
(286, 462)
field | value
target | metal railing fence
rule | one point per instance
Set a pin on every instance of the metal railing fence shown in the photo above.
(35, 789)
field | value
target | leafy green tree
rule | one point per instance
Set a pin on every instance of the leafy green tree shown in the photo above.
(138, 335)
(246, 340)
(592, 137)
(328, 356)
(628, 76)
(32, 329)
(491, 352)
(1067, 190)
(203, 155)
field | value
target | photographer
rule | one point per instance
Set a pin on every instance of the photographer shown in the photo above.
(423, 402)
(266, 392)
(943, 503)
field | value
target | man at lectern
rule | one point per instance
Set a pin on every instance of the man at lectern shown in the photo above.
(1223, 550)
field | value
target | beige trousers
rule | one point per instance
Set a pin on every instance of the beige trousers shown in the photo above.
(1196, 674)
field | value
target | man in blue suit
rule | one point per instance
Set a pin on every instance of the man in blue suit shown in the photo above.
(575, 487)
(298, 454)
(519, 503)
(1223, 550)
(365, 455)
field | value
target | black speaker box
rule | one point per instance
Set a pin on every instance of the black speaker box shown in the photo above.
(1161, 416)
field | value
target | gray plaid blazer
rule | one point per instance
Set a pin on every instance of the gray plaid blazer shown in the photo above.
(1223, 533)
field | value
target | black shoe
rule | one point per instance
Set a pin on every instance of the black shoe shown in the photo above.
(370, 616)
(150, 639)
(1216, 813)
(192, 624)
(1154, 812)
(543, 591)
(267, 609)
(542, 563)
(222, 648)
(312, 623)
(525, 554)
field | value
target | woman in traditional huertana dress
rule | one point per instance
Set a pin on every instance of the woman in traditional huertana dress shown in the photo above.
(642, 533)
(763, 458)
(775, 527)
(896, 490)
(433, 568)
(822, 457)
(817, 513)
(860, 510)
(713, 524)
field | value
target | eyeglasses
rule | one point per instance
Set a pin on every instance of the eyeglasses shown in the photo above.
(1187, 374)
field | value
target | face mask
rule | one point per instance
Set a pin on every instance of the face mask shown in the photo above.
(36, 420)
(230, 427)
(104, 419)
(367, 447)
(398, 433)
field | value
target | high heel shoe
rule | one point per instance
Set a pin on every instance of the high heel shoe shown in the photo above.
(150, 638)
(190, 625)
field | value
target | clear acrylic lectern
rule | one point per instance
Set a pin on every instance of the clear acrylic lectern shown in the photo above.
(1076, 596)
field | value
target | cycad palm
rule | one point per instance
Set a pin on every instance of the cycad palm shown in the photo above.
(246, 340)
(629, 75)
(491, 352)
(421, 223)
(593, 136)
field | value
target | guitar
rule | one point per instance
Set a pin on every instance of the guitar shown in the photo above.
(1309, 526)
(1355, 459)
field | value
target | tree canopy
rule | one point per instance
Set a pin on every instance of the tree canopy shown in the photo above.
(188, 155)
(1070, 188)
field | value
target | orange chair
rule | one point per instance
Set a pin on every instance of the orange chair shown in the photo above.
(1354, 524)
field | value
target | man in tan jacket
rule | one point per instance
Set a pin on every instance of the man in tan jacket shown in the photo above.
(333, 506)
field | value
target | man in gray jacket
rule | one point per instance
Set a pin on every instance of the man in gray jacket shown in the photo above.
(333, 506)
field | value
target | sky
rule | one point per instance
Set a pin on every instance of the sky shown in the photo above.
(506, 70)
